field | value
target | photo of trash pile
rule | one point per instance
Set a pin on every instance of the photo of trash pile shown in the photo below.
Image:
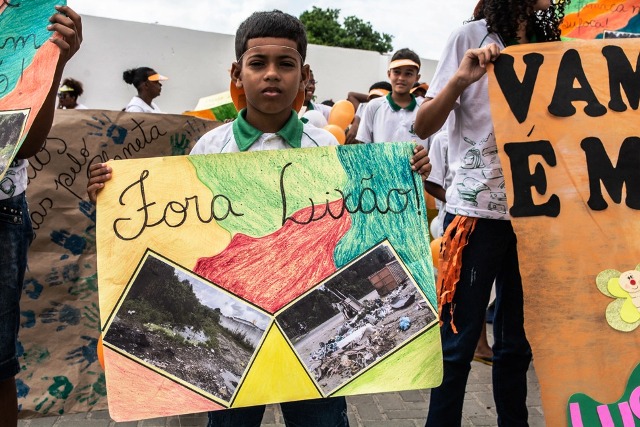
(356, 317)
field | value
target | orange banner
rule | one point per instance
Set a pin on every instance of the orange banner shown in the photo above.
(566, 121)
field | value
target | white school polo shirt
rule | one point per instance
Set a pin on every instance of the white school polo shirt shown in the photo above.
(239, 136)
(137, 105)
(385, 121)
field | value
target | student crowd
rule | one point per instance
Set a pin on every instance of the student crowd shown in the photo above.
(449, 119)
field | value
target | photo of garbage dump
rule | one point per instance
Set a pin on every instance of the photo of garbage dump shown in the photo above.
(355, 318)
(188, 328)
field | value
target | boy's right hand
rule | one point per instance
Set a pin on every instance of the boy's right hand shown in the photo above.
(99, 174)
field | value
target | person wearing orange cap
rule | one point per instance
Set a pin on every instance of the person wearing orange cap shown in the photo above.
(390, 118)
(68, 95)
(419, 90)
(148, 84)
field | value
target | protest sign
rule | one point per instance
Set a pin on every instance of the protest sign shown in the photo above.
(27, 64)
(565, 116)
(60, 323)
(588, 19)
(239, 279)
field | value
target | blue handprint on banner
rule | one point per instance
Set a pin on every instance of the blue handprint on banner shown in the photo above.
(106, 128)
(72, 242)
(65, 314)
(33, 289)
(86, 353)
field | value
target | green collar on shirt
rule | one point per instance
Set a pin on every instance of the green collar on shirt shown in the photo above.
(310, 106)
(246, 135)
(395, 107)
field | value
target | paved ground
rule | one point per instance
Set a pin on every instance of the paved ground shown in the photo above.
(398, 409)
(401, 409)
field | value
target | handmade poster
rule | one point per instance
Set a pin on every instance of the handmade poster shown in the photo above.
(60, 323)
(589, 19)
(233, 280)
(27, 64)
(565, 117)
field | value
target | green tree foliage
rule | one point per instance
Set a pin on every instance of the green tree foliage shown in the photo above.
(324, 29)
(162, 297)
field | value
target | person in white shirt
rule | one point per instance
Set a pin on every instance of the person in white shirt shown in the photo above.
(479, 247)
(391, 118)
(148, 84)
(68, 95)
(308, 104)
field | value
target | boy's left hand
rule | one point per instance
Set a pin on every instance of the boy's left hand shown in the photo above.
(420, 162)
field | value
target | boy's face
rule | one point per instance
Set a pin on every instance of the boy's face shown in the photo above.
(272, 74)
(402, 78)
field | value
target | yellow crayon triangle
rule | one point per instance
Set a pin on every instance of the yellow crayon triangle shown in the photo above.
(276, 375)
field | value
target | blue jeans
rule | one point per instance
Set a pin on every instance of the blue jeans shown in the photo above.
(331, 412)
(15, 237)
(490, 254)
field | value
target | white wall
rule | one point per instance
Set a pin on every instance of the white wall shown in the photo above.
(197, 63)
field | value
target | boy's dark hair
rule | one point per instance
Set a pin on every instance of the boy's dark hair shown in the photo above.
(381, 85)
(75, 85)
(406, 54)
(136, 76)
(271, 24)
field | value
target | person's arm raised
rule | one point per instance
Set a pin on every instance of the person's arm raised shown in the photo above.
(68, 25)
(433, 112)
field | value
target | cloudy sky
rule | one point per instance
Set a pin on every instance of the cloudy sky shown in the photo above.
(229, 306)
(421, 25)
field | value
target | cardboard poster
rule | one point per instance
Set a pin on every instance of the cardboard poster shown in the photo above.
(232, 280)
(566, 121)
(60, 320)
(589, 19)
(27, 65)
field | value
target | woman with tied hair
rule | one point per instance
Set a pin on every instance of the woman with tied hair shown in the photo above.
(148, 84)
(68, 95)
(479, 244)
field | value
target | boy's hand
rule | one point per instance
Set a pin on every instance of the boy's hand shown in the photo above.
(420, 162)
(68, 24)
(99, 174)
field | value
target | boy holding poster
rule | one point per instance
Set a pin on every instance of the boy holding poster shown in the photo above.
(480, 245)
(268, 79)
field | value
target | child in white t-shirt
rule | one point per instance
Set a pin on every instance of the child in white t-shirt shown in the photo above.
(391, 118)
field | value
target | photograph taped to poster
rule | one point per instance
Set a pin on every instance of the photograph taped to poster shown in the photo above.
(12, 125)
(356, 317)
(267, 228)
(186, 328)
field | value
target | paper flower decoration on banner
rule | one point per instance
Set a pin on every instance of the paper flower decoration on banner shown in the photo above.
(623, 314)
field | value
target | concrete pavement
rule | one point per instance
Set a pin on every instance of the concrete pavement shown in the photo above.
(397, 409)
